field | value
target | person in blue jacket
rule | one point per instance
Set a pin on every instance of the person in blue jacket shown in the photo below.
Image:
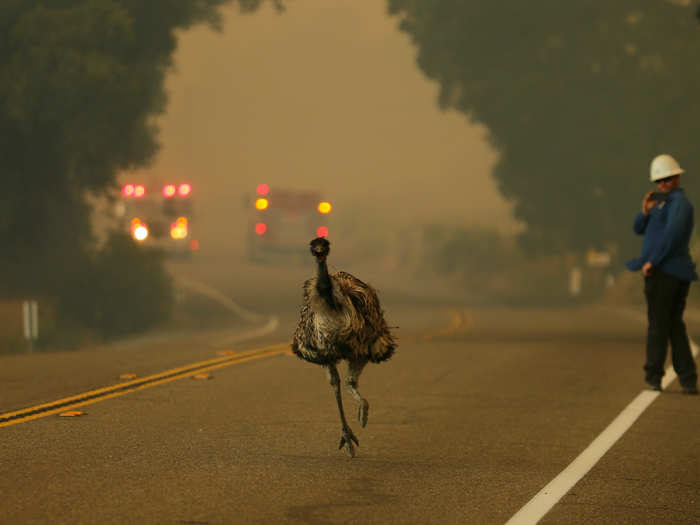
(666, 221)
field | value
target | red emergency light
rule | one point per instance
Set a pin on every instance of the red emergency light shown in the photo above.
(128, 190)
(185, 189)
(169, 190)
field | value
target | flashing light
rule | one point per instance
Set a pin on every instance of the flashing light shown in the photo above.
(139, 231)
(321, 231)
(178, 229)
(261, 204)
(139, 191)
(169, 191)
(128, 190)
(262, 189)
(324, 207)
(260, 228)
(194, 245)
(185, 189)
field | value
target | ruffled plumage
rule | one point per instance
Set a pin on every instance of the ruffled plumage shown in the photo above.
(353, 328)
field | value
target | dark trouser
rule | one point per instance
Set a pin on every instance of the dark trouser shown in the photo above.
(666, 297)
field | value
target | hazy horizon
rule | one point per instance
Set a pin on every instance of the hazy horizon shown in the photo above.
(324, 97)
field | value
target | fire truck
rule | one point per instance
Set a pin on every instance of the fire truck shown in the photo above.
(159, 215)
(283, 221)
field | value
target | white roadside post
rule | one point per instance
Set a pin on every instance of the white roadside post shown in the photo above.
(575, 278)
(30, 312)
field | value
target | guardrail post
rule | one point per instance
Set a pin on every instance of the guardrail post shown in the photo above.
(30, 315)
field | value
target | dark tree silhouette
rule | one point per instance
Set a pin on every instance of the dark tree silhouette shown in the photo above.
(578, 98)
(80, 84)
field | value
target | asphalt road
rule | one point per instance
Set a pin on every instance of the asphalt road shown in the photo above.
(479, 409)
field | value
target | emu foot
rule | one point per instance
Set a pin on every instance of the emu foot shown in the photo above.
(363, 412)
(346, 438)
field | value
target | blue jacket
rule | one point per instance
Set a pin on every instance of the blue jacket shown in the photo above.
(667, 230)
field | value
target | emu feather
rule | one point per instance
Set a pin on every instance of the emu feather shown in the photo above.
(341, 319)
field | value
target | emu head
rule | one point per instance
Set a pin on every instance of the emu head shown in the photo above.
(320, 248)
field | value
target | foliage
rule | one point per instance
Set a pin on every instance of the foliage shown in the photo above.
(120, 289)
(468, 250)
(578, 97)
(490, 268)
(80, 84)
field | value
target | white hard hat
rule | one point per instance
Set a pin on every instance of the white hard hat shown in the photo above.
(664, 166)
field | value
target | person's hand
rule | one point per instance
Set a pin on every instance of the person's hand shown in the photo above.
(647, 203)
(647, 269)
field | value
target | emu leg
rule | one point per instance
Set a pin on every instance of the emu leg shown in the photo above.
(354, 370)
(346, 437)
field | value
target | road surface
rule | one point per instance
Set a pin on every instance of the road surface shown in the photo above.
(478, 411)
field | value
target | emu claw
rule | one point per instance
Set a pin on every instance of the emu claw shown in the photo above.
(363, 413)
(348, 437)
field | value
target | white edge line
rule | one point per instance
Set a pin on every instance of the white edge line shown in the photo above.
(209, 291)
(535, 509)
(219, 297)
(266, 329)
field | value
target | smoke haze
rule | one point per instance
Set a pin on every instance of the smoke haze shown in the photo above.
(327, 97)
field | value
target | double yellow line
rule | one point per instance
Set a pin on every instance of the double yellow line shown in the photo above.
(459, 320)
(101, 394)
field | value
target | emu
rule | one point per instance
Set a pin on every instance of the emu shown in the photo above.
(341, 319)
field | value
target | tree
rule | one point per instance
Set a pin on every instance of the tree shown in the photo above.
(578, 97)
(80, 84)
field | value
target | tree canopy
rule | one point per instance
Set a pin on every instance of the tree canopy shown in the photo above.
(578, 97)
(80, 84)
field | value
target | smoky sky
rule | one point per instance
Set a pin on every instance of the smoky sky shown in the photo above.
(324, 96)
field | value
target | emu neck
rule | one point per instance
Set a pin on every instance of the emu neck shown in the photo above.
(323, 283)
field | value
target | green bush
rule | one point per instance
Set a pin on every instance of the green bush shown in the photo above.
(121, 289)
(492, 268)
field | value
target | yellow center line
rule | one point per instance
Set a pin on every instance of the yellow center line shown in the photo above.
(126, 387)
(459, 320)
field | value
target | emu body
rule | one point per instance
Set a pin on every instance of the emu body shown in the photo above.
(341, 319)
